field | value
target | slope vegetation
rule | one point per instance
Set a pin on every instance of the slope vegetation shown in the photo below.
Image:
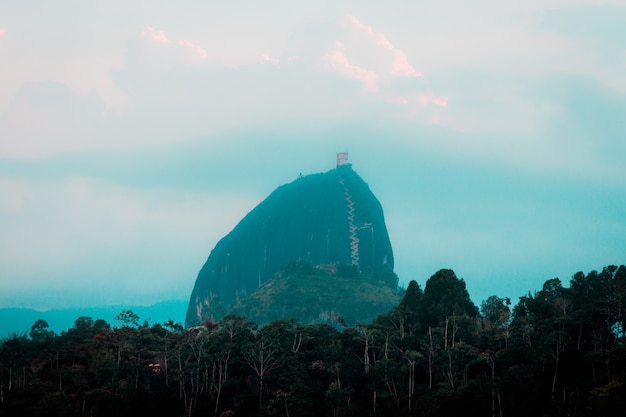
(331, 294)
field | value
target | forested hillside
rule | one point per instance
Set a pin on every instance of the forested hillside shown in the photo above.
(557, 352)
(329, 294)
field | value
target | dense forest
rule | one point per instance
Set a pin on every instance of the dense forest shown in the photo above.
(558, 352)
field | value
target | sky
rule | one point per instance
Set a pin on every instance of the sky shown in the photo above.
(136, 134)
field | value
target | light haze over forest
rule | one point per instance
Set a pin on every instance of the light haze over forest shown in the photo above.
(133, 136)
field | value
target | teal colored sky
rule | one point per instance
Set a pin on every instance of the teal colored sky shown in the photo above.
(133, 136)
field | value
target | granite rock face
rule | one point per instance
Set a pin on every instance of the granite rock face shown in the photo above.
(322, 219)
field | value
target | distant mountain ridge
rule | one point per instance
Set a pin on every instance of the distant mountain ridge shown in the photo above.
(20, 320)
(322, 219)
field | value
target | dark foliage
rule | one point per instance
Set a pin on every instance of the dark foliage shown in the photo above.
(559, 352)
(333, 294)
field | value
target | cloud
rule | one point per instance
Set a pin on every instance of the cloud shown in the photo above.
(55, 231)
(191, 51)
(163, 79)
(198, 52)
(2, 32)
(176, 90)
(365, 55)
(155, 35)
(264, 58)
(338, 61)
(398, 65)
(421, 99)
(163, 75)
(46, 118)
(158, 36)
(491, 70)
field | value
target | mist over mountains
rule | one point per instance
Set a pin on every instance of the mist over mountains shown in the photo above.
(20, 320)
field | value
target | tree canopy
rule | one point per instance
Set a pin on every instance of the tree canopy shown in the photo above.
(557, 352)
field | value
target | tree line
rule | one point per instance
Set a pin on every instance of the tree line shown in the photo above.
(557, 352)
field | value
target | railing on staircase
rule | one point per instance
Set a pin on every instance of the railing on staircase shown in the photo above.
(354, 240)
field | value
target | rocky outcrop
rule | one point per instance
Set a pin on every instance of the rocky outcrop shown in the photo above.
(326, 218)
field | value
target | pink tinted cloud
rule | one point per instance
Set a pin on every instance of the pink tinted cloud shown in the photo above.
(421, 99)
(2, 32)
(338, 60)
(264, 58)
(425, 100)
(399, 65)
(198, 52)
(155, 35)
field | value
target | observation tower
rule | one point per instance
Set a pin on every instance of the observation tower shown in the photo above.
(342, 158)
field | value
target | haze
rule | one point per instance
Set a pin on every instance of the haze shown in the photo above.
(133, 136)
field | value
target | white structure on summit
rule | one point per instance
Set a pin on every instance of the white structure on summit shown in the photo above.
(342, 158)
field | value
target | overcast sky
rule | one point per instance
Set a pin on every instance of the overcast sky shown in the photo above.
(133, 136)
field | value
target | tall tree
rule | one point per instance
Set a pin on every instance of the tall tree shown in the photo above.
(447, 304)
(39, 331)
